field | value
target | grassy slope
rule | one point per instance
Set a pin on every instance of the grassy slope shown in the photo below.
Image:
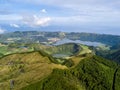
(24, 69)
(94, 73)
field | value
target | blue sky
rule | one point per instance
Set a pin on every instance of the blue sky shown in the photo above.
(96, 16)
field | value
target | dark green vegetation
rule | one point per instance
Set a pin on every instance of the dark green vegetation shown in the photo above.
(92, 73)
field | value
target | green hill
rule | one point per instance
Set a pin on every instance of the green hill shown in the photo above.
(25, 69)
(92, 73)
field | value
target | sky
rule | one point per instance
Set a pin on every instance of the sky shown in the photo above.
(95, 16)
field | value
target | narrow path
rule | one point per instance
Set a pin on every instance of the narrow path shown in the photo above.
(114, 78)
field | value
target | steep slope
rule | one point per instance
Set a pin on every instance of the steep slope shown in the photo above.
(21, 69)
(92, 73)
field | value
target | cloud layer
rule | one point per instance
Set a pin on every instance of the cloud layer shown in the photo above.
(95, 14)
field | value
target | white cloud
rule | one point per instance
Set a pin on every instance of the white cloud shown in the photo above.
(43, 11)
(98, 10)
(14, 25)
(1, 30)
(69, 12)
(36, 21)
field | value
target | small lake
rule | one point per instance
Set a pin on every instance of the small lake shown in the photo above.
(65, 40)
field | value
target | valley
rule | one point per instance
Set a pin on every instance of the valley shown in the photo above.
(58, 63)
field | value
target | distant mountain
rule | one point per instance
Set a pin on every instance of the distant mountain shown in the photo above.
(39, 36)
(103, 38)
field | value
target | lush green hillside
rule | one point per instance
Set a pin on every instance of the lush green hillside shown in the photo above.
(92, 73)
(25, 68)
